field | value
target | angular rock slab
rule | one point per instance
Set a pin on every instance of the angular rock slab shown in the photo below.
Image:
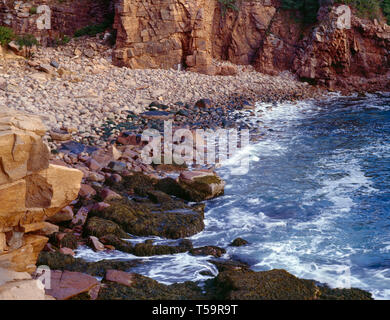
(38, 196)
(53, 188)
(23, 290)
(67, 284)
(22, 150)
(24, 258)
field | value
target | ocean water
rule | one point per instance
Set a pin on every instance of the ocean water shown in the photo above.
(316, 200)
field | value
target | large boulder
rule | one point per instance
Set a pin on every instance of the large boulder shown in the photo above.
(172, 219)
(193, 185)
(22, 150)
(202, 185)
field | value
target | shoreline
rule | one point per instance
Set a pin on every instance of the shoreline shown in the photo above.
(116, 158)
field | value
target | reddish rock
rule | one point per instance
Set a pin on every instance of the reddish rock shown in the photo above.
(228, 70)
(86, 191)
(102, 157)
(100, 206)
(49, 248)
(108, 195)
(94, 165)
(80, 217)
(95, 244)
(129, 139)
(66, 214)
(116, 178)
(204, 103)
(67, 251)
(120, 277)
(66, 284)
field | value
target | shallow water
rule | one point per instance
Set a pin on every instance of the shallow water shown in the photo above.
(316, 200)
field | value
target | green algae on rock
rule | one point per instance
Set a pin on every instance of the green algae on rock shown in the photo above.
(171, 220)
(144, 288)
(245, 284)
(59, 261)
(146, 249)
(99, 227)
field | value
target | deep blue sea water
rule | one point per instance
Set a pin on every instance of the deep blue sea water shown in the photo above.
(316, 200)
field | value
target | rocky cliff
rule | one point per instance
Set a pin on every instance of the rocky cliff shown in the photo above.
(190, 34)
(31, 190)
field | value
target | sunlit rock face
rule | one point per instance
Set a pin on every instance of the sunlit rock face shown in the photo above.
(31, 189)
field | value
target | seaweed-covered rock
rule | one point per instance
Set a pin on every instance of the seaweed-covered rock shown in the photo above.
(245, 284)
(59, 261)
(64, 240)
(119, 244)
(143, 288)
(99, 227)
(193, 186)
(171, 220)
(202, 185)
(137, 182)
(208, 251)
(239, 242)
(344, 294)
(147, 248)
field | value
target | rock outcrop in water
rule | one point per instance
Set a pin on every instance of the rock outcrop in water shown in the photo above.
(31, 190)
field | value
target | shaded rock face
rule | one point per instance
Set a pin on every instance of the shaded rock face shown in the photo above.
(357, 57)
(66, 17)
(31, 189)
(169, 33)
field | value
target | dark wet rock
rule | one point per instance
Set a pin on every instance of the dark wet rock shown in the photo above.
(59, 261)
(76, 148)
(183, 112)
(229, 265)
(158, 196)
(344, 294)
(144, 249)
(239, 242)
(172, 187)
(54, 63)
(156, 105)
(118, 243)
(144, 288)
(64, 240)
(99, 227)
(170, 220)
(208, 251)
(127, 138)
(117, 166)
(138, 182)
(204, 103)
(202, 185)
(245, 284)
(157, 115)
(147, 248)
(193, 186)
